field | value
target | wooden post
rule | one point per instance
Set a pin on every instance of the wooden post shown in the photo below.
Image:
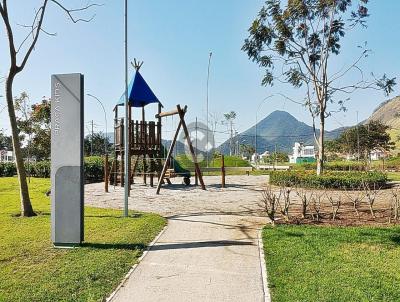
(144, 141)
(106, 173)
(151, 179)
(194, 158)
(171, 148)
(114, 168)
(122, 153)
(223, 171)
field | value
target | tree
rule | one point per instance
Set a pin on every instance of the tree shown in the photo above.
(34, 125)
(40, 121)
(17, 65)
(363, 139)
(95, 144)
(247, 150)
(5, 141)
(301, 40)
(280, 157)
(22, 108)
(230, 118)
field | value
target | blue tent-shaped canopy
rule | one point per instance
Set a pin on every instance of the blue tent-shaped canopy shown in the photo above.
(139, 93)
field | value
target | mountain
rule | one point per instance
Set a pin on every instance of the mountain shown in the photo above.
(279, 129)
(388, 112)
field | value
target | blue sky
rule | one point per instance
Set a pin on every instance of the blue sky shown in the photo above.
(174, 38)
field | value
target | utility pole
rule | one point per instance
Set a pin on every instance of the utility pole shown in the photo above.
(208, 79)
(237, 143)
(91, 141)
(196, 176)
(231, 140)
(358, 141)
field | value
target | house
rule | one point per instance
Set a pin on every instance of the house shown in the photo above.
(264, 155)
(302, 153)
(377, 154)
(6, 156)
(255, 157)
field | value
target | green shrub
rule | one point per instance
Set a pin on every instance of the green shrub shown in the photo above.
(38, 169)
(334, 166)
(230, 161)
(7, 169)
(390, 164)
(93, 169)
(329, 180)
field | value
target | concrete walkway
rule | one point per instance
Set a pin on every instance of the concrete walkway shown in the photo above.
(210, 249)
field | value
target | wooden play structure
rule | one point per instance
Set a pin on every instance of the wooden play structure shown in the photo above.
(181, 112)
(146, 153)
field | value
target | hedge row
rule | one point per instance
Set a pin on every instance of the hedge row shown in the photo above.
(329, 180)
(334, 166)
(93, 169)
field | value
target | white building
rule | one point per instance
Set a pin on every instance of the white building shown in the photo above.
(377, 155)
(264, 155)
(6, 156)
(302, 153)
(255, 157)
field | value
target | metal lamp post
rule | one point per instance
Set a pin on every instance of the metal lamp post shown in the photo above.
(126, 125)
(105, 119)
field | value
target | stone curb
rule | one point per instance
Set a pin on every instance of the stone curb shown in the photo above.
(267, 295)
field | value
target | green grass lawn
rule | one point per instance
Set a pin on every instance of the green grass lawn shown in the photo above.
(32, 270)
(230, 161)
(306, 263)
(393, 176)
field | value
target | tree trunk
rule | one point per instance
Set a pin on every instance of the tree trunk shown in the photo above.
(26, 206)
(320, 162)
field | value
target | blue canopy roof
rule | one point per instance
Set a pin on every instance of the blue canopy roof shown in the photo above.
(139, 93)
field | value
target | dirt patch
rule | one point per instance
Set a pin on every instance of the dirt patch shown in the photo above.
(346, 215)
(241, 197)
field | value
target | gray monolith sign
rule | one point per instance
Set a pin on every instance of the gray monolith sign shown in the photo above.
(67, 159)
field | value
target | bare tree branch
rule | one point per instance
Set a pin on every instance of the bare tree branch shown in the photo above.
(6, 20)
(42, 9)
(70, 12)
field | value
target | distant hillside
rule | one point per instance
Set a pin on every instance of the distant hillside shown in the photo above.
(388, 112)
(279, 128)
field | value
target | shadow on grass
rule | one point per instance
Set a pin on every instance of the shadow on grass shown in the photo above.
(395, 239)
(114, 246)
(38, 214)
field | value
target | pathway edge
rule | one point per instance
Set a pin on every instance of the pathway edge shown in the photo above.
(267, 295)
(133, 268)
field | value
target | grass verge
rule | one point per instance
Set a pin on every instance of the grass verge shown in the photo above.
(31, 270)
(306, 263)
